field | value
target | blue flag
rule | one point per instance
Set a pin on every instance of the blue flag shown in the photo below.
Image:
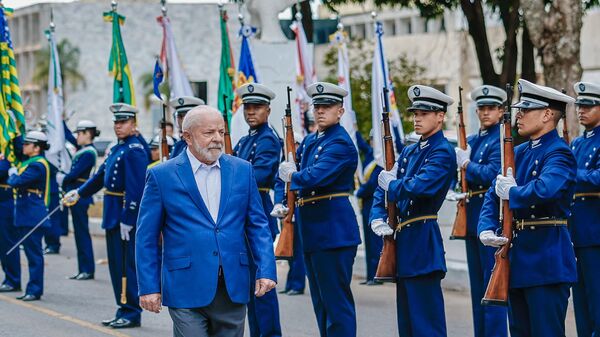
(158, 78)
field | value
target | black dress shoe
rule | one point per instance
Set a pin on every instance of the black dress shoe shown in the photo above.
(82, 276)
(28, 298)
(295, 292)
(50, 251)
(364, 282)
(374, 283)
(123, 323)
(5, 288)
(284, 291)
(107, 322)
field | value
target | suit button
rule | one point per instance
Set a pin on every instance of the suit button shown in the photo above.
(215, 253)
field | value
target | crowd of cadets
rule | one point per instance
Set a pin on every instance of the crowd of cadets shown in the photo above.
(553, 184)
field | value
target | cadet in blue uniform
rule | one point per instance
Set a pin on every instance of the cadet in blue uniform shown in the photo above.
(373, 243)
(328, 227)
(53, 233)
(482, 162)
(8, 233)
(32, 183)
(584, 223)
(418, 183)
(82, 167)
(182, 105)
(155, 149)
(542, 260)
(262, 148)
(122, 176)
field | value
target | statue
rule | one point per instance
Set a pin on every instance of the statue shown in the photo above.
(264, 16)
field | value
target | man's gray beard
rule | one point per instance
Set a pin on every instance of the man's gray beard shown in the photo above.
(205, 153)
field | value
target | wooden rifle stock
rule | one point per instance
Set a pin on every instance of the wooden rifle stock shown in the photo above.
(227, 136)
(285, 246)
(565, 132)
(164, 145)
(497, 289)
(386, 269)
(459, 229)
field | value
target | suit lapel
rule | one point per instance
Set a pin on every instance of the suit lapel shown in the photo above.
(227, 174)
(184, 171)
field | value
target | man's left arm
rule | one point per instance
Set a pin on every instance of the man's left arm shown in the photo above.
(136, 162)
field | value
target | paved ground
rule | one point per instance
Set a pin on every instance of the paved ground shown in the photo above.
(74, 308)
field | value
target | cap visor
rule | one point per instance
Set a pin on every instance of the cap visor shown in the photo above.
(121, 118)
(489, 102)
(528, 105)
(325, 101)
(587, 102)
(255, 101)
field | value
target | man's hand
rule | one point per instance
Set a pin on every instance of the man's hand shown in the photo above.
(462, 156)
(70, 198)
(12, 171)
(279, 211)
(151, 302)
(125, 229)
(504, 184)
(263, 286)
(287, 168)
(60, 177)
(386, 177)
(455, 196)
(490, 239)
(381, 228)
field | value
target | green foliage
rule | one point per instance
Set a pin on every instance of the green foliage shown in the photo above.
(403, 71)
(69, 65)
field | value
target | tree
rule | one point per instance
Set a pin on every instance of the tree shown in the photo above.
(404, 74)
(69, 65)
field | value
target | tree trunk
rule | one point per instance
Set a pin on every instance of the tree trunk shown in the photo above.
(527, 57)
(556, 34)
(509, 12)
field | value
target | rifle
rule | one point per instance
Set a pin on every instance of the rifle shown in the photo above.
(164, 145)
(497, 289)
(565, 131)
(285, 246)
(459, 229)
(227, 136)
(386, 269)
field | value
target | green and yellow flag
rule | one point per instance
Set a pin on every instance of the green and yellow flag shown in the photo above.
(117, 64)
(12, 116)
(227, 70)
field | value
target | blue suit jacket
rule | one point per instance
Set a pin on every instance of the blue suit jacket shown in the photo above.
(584, 224)
(193, 244)
(545, 175)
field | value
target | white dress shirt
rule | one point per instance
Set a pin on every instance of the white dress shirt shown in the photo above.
(208, 180)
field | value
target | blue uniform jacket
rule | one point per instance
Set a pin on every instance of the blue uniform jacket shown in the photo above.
(82, 167)
(481, 171)
(262, 148)
(425, 171)
(545, 175)
(6, 191)
(122, 172)
(30, 206)
(178, 148)
(585, 220)
(193, 244)
(327, 165)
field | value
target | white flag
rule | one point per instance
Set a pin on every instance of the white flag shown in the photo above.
(305, 76)
(178, 81)
(381, 79)
(57, 155)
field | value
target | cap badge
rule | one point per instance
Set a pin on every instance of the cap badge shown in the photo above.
(581, 87)
(417, 91)
(181, 101)
(250, 88)
(485, 90)
(320, 88)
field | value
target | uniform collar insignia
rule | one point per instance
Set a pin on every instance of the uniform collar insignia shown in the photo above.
(320, 134)
(483, 132)
(589, 134)
(535, 143)
(423, 144)
(253, 132)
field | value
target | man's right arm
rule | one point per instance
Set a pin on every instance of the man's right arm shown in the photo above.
(94, 184)
(147, 252)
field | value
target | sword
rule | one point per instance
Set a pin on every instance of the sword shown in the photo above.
(34, 228)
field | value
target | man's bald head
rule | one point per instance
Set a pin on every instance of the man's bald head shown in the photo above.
(203, 130)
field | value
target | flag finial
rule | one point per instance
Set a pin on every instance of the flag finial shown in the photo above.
(373, 15)
(113, 5)
(52, 25)
(163, 7)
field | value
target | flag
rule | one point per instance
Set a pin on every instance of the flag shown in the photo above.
(305, 76)
(226, 71)
(178, 81)
(246, 74)
(117, 63)
(57, 154)
(12, 116)
(381, 79)
(157, 79)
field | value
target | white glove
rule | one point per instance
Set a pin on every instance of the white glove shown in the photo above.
(504, 184)
(381, 228)
(455, 196)
(125, 229)
(71, 198)
(490, 239)
(386, 177)
(60, 177)
(287, 168)
(462, 156)
(12, 171)
(279, 211)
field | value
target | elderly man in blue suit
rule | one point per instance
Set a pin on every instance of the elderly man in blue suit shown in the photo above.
(208, 209)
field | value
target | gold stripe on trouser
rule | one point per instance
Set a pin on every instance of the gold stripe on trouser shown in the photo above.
(114, 194)
(34, 191)
(5, 186)
(521, 224)
(474, 193)
(413, 220)
(301, 201)
(586, 194)
(264, 189)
